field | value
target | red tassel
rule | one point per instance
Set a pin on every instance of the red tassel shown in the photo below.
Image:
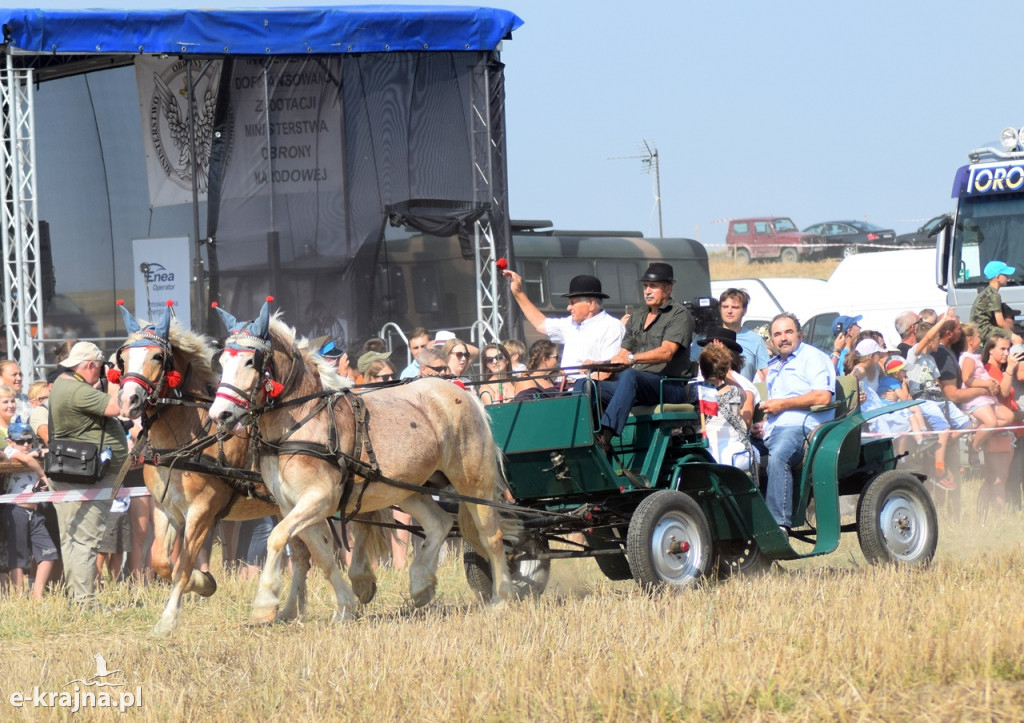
(501, 263)
(173, 379)
(114, 376)
(274, 388)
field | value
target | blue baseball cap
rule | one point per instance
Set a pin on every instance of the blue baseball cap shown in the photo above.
(842, 324)
(994, 268)
(18, 431)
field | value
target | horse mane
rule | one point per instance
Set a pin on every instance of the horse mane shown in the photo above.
(283, 337)
(199, 351)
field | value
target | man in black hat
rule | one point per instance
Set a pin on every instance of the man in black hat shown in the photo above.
(656, 345)
(588, 335)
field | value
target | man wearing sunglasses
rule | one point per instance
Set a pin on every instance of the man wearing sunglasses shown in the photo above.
(588, 335)
(433, 363)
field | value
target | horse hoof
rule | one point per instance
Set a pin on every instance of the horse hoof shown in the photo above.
(364, 590)
(203, 583)
(163, 628)
(287, 615)
(263, 617)
(343, 616)
(422, 597)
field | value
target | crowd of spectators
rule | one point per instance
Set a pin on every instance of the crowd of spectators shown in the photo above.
(759, 395)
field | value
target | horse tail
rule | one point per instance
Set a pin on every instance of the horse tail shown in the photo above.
(375, 536)
(501, 479)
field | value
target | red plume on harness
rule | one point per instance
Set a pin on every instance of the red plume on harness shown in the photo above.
(173, 379)
(114, 375)
(273, 388)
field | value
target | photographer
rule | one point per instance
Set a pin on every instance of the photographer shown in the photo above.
(82, 413)
(27, 535)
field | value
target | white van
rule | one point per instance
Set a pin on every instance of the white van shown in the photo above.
(878, 286)
(772, 296)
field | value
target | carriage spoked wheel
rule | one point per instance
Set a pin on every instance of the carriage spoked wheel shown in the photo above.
(614, 567)
(741, 557)
(529, 571)
(896, 520)
(669, 541)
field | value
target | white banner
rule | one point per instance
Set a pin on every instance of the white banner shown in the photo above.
(166, 119)
(285, 128)
(162, 272)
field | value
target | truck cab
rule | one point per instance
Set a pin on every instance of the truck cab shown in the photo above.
(988, 224)
(770, 237)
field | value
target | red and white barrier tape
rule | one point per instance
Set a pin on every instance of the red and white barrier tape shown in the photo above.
(85, 494)
(930, 432)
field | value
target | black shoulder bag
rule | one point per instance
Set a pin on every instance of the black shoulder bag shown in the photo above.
(75, 462)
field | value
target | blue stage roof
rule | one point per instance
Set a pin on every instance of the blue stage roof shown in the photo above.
(266, 31)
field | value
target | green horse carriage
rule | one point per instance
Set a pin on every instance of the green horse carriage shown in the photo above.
(663, 512)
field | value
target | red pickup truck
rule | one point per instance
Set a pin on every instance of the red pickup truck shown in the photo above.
(771, 237)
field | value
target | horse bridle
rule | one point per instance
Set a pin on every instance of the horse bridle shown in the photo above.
(263, 363)
(152, 388)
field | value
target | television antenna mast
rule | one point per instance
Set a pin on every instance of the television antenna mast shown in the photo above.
(649, 161)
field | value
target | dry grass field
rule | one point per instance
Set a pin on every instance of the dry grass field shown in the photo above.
(723, 267)
(827, 638)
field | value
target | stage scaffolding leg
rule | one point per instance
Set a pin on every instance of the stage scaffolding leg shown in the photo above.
(19, 219)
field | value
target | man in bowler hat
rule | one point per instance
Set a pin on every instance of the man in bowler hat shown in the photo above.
(656, 345)
(588, 335)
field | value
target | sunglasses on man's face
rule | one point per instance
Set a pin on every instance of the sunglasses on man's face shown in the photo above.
(438, 369)
(22, 441)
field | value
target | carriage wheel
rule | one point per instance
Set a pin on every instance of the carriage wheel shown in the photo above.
(614, 567)
(896, 520)
(529, 571)
(669, 541)
(741, 557)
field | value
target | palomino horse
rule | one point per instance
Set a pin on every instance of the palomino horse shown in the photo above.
(320, 450)
(166, 377)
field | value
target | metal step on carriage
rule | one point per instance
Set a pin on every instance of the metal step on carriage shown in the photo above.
(662, 512)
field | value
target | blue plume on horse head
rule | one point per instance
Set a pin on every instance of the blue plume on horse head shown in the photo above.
(261, 324)
(131, 324)
(163, 327)
(258, 327)
(229, 321)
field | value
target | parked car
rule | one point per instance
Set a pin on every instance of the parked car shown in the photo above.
(770, 237)
(771, 296)
(850, 237)
(923, 236)
(878, 287)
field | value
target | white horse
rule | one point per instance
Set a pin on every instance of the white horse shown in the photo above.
(426, 433)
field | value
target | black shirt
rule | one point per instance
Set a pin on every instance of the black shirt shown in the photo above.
(672, 323)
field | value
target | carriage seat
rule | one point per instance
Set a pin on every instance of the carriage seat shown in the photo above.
(646, 410)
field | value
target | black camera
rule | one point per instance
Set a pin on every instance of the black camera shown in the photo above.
(704, 310)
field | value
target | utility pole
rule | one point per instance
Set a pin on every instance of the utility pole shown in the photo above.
(650, 162)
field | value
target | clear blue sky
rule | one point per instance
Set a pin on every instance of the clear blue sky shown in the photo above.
(813, 110)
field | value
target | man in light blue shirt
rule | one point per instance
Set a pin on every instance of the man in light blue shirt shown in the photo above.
(419, 339)
(732, 307)
(799, 378)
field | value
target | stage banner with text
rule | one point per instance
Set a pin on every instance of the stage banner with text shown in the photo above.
(162, 273)
(175, 146)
